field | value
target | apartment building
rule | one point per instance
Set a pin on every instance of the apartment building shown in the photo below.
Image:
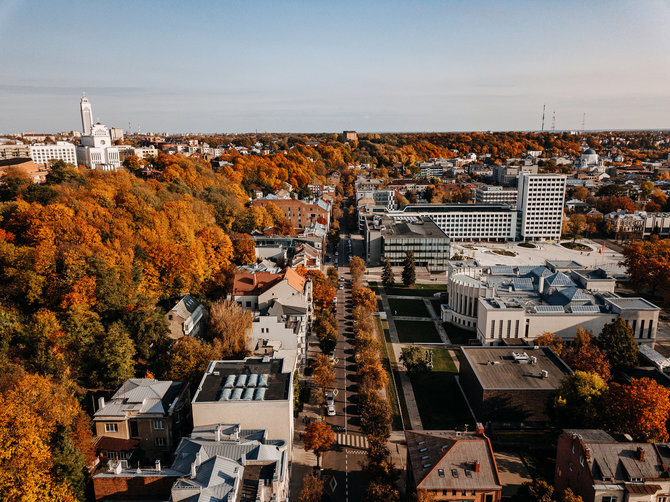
(540, 204)
(495, 195)
(507, 175)
(385, 198)
(14, 152)
(300, 213)
(62, 150)
(146, 413)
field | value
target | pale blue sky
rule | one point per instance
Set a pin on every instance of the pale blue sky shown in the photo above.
(238, 66)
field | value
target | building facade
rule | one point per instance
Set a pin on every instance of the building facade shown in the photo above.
(96, 150)
(495, 195)
(62, 150)
(540, 205)
(300, 213)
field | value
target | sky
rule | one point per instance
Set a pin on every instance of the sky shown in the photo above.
(324, 66)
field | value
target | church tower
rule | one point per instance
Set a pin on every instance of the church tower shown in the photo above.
(86, 116)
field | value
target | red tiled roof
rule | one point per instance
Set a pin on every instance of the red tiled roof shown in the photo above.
(246, 283)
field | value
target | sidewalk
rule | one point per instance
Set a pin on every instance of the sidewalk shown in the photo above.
(405, 383)
(438, 321)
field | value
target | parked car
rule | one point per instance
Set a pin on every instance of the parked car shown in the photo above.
(331, 356)
(330, 398)
(331, 410)
(341, 286)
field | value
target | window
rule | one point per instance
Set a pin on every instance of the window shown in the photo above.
(159, 425)
(609, 498)
(160, 441)
(111, 428)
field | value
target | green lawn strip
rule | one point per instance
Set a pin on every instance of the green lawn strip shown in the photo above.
(417, 332)
(441, 404)
(437, 306)
(414, 308)
(392, 391)
(416, 290)
(457, 335)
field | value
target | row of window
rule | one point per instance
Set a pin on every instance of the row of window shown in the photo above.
(158, 425)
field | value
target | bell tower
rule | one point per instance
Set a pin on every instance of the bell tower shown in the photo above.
(86, 115)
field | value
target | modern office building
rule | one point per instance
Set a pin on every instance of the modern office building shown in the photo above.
(523, 302)
(62, 150)
(495, 195)
(384, 198)
(390, 237)
(468, 222)
(540, 205)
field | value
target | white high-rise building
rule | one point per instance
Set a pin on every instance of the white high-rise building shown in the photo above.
(97, 150)
(540, 204)
(62, 150)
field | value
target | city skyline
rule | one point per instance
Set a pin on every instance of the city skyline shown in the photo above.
(298, 67)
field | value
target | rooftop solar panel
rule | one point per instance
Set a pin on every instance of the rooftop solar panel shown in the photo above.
(522, 284)
(585, 308)
(549, 308)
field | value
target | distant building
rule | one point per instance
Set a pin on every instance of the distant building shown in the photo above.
(350, 136)
(62, 150)
(452, 465)
(390, 238)
(186, 318)
(589, 159)
(116, 133)
(300, 213)
(14, 152)
(510, 384)
(97, 150)
(495, 195)
(598, 468)
(540, 204)
(384, 198)
(147, 413)
(256, 392)
(508, 175)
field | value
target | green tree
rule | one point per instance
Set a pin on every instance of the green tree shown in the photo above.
(409, 269)
(415, 359)
(579, 399)
(647, 187)
(388, 279)
(114, 357)
(619, 344)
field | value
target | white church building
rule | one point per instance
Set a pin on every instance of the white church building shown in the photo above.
(97, 150)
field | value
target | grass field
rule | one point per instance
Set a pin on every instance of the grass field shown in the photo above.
(395, 394)
(437, 302)
(417, 332)
(414, 308)
(441, 404)
(416, 290)
(458, 336)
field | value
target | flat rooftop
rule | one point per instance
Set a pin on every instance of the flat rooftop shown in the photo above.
(632, 304)
(422, 227)
(512, 368)
(464, 208)
(244, 380)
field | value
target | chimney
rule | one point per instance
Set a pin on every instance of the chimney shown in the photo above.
(158, 465)
(540, 284)
(587, 453)
(479, 428)
(477, 465)
(101, 402)
(193, 473)
(640, 454)
(218, 433)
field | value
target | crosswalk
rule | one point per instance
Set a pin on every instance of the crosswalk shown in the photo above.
(353, 440)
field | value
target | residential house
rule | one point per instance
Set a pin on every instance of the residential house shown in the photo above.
(144, 413)
(599, 468)
(300, 213)
(186, 318)
(452, 465)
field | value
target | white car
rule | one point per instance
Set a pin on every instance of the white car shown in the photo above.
(341, 286)
(330, 398)
(331, 410)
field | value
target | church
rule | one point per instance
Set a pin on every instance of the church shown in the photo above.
(96, 150)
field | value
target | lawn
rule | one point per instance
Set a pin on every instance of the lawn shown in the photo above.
(441, 404)
(437, 305)
(417, 332)
(416, 290)
(413, 308)
(395, 394)
(458, 336)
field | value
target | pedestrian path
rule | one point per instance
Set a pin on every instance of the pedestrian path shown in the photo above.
(438, 322)
(353, 440)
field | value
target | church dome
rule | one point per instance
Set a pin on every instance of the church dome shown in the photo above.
(590, 151)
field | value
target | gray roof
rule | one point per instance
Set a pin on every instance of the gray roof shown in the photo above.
(141, 396)
(559, 279)
(632, 304)
(186, 306)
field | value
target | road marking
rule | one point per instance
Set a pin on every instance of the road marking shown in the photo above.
(353, 440)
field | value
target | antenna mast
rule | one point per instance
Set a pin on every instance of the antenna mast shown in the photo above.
(543, 108)
(553, 121)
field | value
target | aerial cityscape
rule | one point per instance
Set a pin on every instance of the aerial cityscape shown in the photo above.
(292, 252)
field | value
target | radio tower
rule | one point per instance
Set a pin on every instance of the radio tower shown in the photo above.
(543, 108)
(553, 121)
(583, 120)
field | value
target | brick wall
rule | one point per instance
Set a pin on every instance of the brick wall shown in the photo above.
(133, 488)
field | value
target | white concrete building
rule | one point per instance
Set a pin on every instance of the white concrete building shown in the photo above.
(495, 195)
(384, 198)
(540, 204)
(97, 150)
(62, 150)
(523, 302)
(467, 222)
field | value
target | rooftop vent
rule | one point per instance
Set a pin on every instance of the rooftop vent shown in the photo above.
(544, 374)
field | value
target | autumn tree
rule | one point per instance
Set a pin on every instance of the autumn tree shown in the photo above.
(333, 278)
(575, 226)
(584, 355)
(617, 341)
(188, 359)
(229, 328)
(648, 264)
(381, 491)
(579, 398)
(409, 269)
(319, 437)
(357, 269)
(550, 340)
(365, 297)
(245, 249)
(375, 415)
(535, 491)
(323, 372)
(388, 279)
(312, 489)
(640, 408)
(415, 358)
